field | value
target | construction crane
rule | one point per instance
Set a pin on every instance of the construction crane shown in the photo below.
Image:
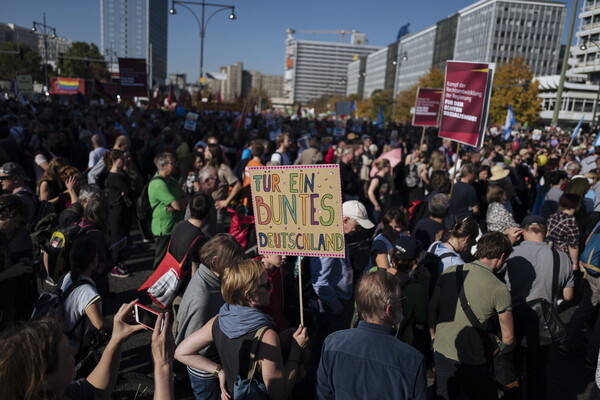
(342, 33)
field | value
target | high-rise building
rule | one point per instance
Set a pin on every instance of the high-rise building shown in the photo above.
(587, 52)
(494, 31)
(234, 81)
(500, 30)
(314, 69)
(135, 29)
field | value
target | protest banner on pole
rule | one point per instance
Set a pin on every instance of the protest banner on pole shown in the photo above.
(298, 212)
(133, 78)
(427, 107)
(467, 89)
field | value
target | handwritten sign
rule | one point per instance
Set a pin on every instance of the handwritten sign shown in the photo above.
(298, 210)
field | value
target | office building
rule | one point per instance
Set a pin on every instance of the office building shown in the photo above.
(494, 31)
(35, 41)
(233, 82)
(314, 69)
(500, 30)
(135, 29)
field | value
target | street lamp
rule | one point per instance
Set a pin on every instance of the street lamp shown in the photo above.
(203, 21)
(45, 30)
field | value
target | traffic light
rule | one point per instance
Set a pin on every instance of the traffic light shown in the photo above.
(21, 53)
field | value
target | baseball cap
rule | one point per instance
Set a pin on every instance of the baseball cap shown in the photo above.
(13, 169)
(407, 248)
(533, 220)
(356, 210)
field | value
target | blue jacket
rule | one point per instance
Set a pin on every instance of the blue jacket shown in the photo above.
(368, 362)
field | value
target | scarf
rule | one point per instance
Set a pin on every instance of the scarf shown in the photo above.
(236, 321)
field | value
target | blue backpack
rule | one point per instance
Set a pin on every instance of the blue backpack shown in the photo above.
(590, 256)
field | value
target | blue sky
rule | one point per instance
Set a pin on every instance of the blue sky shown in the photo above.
(257, 37)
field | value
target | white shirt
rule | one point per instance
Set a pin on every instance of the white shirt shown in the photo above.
(74, 306)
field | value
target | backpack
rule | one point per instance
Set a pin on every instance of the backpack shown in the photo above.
(41, 231)
(59, 247)
(43, 208)
(240, 168)
(143, 208)
(590, 256)
(412, 178)
(417, 211)
(431, 262)
(50, 302)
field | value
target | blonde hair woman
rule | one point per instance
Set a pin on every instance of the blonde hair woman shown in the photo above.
(245, 287)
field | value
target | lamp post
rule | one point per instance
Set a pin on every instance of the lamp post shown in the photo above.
(45, 30)
(202, 21)
(563, 70)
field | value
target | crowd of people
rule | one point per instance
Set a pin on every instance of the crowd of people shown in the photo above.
(427, 224)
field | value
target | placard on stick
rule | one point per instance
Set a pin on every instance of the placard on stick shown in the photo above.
(467, 90)
(298, 210)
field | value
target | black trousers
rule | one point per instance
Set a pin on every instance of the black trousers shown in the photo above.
(160, 248)
(472, 381)
(536, 361)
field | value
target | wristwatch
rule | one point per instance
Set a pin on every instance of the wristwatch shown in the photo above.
(217, 370)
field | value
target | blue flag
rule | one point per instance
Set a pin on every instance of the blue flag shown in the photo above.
(508, 124)
(597, 141)
(403, 31)
(380, 119)
(577, 128)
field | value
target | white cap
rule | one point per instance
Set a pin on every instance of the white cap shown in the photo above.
(355, 210)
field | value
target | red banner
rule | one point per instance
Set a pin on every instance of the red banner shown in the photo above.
(427, 107)
(133, 78)
(467, 90)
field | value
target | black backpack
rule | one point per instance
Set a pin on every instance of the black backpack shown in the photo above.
(50, 302)
(59, 247)
(430, 262)
(143, 208)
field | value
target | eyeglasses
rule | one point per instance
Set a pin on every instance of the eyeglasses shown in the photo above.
(267, 285)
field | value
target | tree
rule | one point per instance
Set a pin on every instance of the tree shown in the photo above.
(381, 98)
(405, 100)
(258, 96)
(17, 59)
(75, 62)
(513, 86)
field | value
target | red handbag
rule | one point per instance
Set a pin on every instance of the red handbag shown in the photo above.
(164, 283)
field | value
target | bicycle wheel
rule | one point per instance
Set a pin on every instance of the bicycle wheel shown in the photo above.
(133, 386)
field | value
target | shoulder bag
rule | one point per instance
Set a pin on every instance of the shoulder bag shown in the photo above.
(537, 321)
(250, 388)
(501, 359)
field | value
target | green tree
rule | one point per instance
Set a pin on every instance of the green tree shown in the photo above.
(80, 66)
(513, 86)
(383, 98)
(405, 100)
(259, 96)
(17, 59)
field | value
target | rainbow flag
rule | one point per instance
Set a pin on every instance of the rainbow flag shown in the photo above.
(68, 84)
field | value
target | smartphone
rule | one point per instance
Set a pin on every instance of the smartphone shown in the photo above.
(145, 316)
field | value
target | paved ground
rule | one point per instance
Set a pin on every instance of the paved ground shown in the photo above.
(569, 379)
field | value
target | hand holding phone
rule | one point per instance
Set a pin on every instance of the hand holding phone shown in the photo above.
(145, 316)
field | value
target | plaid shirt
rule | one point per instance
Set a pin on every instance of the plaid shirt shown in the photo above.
(563, 231)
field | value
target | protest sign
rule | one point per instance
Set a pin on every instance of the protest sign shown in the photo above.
(133, 78)
(298, 210)
(25, 83)
(427, 107)
(190, 121)
(467, 90)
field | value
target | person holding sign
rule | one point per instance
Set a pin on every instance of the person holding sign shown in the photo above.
(332, 281)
